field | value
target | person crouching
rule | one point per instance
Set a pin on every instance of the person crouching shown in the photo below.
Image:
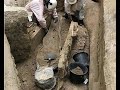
(38, 8)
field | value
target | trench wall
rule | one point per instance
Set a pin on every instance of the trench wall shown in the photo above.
(15, 27)
(100, 50)
(93, 22)
(22, 42)
(11, 80)
(109, 59)
(102, 71)
(101, 77)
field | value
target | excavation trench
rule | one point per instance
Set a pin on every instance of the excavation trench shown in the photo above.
(89, 40)
(53, 43)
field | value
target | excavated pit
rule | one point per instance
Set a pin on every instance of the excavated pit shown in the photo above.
(90, 39)
(53, 42)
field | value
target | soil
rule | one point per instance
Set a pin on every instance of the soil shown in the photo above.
(50, 43)
(77, 71)
(26, 72)
(53, 41)
(69, 86)
(27, 68)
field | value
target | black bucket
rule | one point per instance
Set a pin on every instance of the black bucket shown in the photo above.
(82, 58)
(75, 78)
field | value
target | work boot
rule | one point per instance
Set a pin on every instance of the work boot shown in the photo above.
(80, 22)
(76, 15)
(46, 30)
(55, 20)
(67, 16)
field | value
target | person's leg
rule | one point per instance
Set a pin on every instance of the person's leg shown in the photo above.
(67, 10)
(76, 15)
(67, 7)
(37, 9)
(34, 19)
(81, 16)
(29, 13)
(81, 11)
